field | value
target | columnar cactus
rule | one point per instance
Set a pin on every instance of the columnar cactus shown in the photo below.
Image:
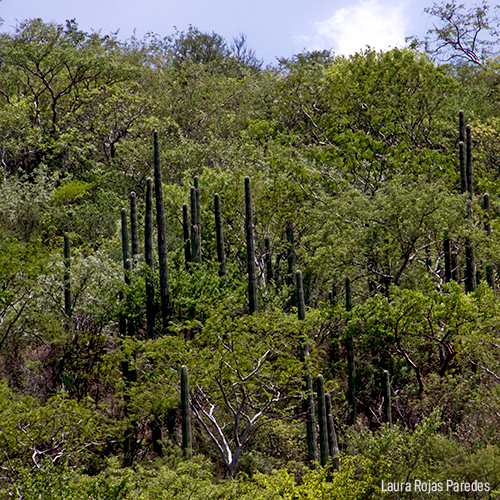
(186, 235)
(463, 168)
(185, 411)
(134, 228)
(461, 126)
(323, 423)
(67, 281)
(162, 236)
(333, 446)
(351, 369)
(195, 236)
(299, 294)
(252, 280)
(219, 233)
(311, 432)
(149, 260)
(468, 160)
(387, 398)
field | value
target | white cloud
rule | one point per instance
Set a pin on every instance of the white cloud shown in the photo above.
(370, 22)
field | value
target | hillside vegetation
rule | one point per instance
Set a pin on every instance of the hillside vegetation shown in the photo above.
(318, 247)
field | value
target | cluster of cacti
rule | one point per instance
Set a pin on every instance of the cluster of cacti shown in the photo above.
(327, 436)
(466, 185)
(328, 445)
(253, 305)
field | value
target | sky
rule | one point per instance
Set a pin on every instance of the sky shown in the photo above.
(274, 28)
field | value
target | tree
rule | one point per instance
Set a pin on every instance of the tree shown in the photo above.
(244, 378)
(460, 34)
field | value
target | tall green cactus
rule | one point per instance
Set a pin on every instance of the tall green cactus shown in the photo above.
(134, 228)
(333, 445)
(463, 168)
(299, 294)
(195, 229)
(468, 160)
(253, 304)
(461, 126)
(387, 398)
(311, 432)
(186, 235)
(127, 328)
(149, 260)
(162, 236)
(67, 280)
(219, 234)
(186, 416)
(322, 420)
(351, 369)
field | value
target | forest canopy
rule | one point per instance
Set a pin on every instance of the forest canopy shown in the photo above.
(236, 281)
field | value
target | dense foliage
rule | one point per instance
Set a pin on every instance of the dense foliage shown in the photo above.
(354, 171)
